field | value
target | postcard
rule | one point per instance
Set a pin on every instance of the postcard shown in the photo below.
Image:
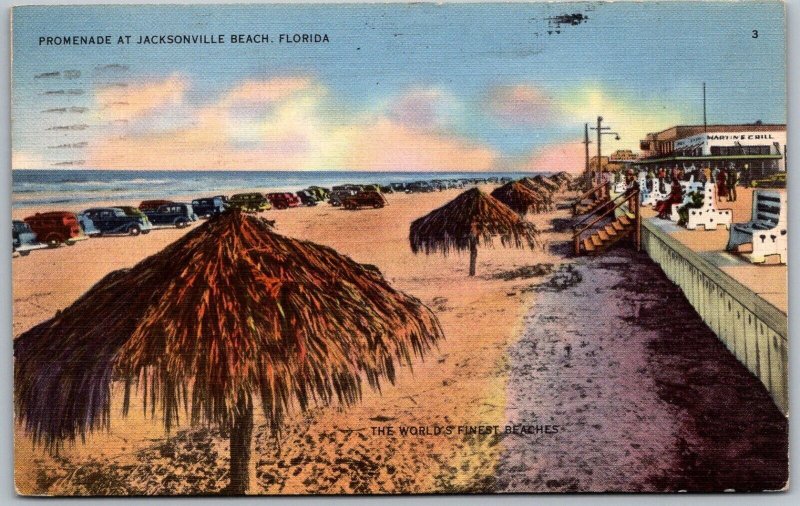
(383, 249)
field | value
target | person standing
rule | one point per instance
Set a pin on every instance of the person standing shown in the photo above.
(722, 190)
(733, 180)
(707, 174)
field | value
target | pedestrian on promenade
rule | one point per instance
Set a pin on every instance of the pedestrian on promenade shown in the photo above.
(662, 174)
(707, 174)
(722, 190)
(733, 180)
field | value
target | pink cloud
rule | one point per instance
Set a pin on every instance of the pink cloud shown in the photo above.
(140, 99)
(567, 156)
(520, 104)
(422, 108)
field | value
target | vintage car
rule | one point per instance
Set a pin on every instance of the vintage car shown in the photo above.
(419, 187)
(146, 205)
(24, 239)
(114, 220)
(56, 228)
(336, 196)
(398, 187)
(251, 202)
(386, 188)
(175, 214)
(87, 225)
(283, 200)
(318, 192)
(364, 199)
(777, 180)
(307, 198)
(210, 206)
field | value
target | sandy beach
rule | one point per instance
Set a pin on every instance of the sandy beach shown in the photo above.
(522, 343)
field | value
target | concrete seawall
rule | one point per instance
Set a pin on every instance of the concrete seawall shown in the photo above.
(754, 330)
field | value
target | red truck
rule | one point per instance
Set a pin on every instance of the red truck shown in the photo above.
(56, 228)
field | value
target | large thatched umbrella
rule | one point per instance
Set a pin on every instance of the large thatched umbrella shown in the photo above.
(520, 198)
(562, 179)
(470, 219)
(228, 314)
(546, 182)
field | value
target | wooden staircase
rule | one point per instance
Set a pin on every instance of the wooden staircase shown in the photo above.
(604, 237)
(608, 223)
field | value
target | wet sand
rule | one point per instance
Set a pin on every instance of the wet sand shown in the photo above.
(505, 361)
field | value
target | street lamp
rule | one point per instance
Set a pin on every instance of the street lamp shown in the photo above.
(602, 130)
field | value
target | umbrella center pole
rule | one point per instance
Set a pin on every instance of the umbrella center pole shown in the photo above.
(241, 439)
(473, 255)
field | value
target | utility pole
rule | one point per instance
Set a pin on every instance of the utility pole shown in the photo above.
(601, 130)
(705, 122)
(586, 144)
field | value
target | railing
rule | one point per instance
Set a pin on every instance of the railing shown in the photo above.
(754, 330)
(597, 192)
(630, 198)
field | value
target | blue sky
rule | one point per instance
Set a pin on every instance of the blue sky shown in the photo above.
(397, 87)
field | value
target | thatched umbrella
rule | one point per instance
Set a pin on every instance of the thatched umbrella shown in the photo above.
(470, 219)
(562, 179)
(519, 198)
(537, 187)
(546, 182)
(229, 313)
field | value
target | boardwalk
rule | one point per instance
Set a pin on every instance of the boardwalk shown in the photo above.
(645, 396)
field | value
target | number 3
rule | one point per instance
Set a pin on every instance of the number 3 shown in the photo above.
(755, 34)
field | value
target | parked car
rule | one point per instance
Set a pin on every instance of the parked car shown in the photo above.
(364, 199)
(319, 192)
(114, 220)
(419, 187)
(176, 214)
(56, 228)
(252, 202)
(283, 200)
(386, 189)
(146, 205)
(210, 206)
(307, 198)
(398, 187)
(87, 225)
(336, 196)
(24, 239)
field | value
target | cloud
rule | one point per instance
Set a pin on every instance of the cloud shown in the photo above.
(632, 117)
(424, 108)
(139, 100)
(568, 156)
(521, 104)
(289, 123)
(26, 160)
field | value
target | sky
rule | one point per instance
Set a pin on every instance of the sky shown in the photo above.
(395, 88)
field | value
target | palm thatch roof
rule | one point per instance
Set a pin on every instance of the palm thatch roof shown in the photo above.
(537, 187)
(472, 216)
(230, 308)
(562, 179)
(520, 198)
(546, 182)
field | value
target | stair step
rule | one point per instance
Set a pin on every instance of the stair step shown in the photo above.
(602, 235)
(587, 245)
(596, 241)
(611, 231)
(617, 226)
(624, 220)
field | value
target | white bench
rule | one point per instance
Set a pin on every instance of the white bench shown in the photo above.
(687, 187)
(767, 230)
(652, 197)
(709, 216)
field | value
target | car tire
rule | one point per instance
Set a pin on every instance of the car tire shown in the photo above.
(181, 224)
(145, 232)
(23, 252)
(69, 242)
(53, 241)
(377, 205)
(134, 230)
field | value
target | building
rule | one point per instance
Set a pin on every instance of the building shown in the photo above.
(755, 149)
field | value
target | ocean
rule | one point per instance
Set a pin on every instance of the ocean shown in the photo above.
(57, 187)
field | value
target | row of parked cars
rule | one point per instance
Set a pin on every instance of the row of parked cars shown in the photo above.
(52, 229)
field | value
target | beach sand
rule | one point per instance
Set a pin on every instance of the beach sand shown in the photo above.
(476, 377)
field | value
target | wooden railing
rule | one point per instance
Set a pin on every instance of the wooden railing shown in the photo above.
(629, 198)
(597, 192)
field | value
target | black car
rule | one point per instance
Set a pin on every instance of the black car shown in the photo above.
(24, 239)
(113, 220)
(176, 214)
(306, 198)
(210, 206)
